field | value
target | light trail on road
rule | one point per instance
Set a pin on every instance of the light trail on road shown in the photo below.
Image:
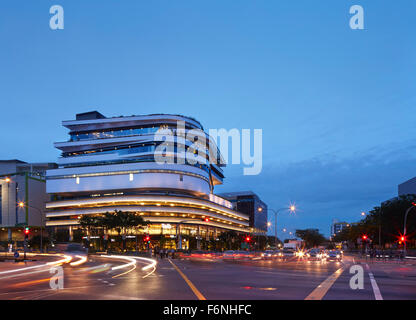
(66, 259)
(132, 262)
(82, 260)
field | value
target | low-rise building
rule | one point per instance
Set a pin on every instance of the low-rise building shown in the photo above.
(24, 183)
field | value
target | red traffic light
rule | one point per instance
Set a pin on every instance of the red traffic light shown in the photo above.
(403, 238)
(27, 231)
(364, 237)
(206, 219)
(248, 239)
(147, 238)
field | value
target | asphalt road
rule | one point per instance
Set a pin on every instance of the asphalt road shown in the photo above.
(111, 278)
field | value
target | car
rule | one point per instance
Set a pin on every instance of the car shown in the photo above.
(334, 255)
(314, 254)
(278, 254)
(244, 255)
(228, 255)
(268, 255)
(288, 253)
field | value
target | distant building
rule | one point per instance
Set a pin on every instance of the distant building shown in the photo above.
(249, 203)
(337, 227)
(21, 182)
(408, 187)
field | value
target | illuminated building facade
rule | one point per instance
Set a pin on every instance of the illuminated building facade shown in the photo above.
(109, 164)
(250, 203)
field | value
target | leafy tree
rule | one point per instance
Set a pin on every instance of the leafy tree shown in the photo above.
(118, 220)
(231, 239)
(385, 221)
(312, 237)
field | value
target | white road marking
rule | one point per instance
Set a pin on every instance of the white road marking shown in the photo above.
(376, 290)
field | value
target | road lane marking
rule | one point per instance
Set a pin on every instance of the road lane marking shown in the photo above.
(321, 290)
(188, 282)
(376, 290)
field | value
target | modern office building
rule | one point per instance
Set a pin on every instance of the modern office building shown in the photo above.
(407, 187)
(21, 182)
(249, 203)
(109, 164)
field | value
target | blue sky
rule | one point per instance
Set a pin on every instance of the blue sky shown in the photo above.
(336, 105)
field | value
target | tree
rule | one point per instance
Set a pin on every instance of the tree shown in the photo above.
(384, 221)
(312, 237)
(231, 240)
(118, 220)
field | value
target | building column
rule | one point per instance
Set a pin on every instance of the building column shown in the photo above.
(71, 234)
(198, 241)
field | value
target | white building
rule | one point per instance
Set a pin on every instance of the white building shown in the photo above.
(109, 164)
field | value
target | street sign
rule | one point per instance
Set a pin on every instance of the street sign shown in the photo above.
(16, 254)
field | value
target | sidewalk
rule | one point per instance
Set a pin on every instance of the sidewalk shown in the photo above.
(407, 261)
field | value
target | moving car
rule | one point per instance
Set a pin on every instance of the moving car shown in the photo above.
(228, 255)
(268, 255)
(315, 254)
(334, 255)
(288, 253)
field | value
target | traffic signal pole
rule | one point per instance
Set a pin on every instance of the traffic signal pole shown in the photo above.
(405, 229)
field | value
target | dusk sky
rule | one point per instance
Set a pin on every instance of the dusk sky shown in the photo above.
(336, 105)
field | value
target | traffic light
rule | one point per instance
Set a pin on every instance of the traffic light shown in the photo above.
(364, 237)
(147, 239)
(248, 239)
(26, 232)
(206, 219)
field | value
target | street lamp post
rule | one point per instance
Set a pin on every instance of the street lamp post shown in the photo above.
(379, 227)
(22, 205)
(405, 229)
(291, 208)
(9, 231)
